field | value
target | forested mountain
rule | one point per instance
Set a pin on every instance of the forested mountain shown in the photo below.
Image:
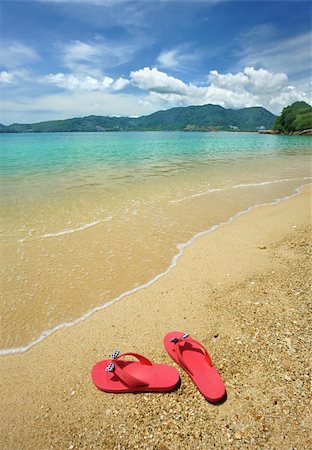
(190, 118)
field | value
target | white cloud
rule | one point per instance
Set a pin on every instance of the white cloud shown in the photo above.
(251, 87)
(6, 77)
(16, 76)
(262, 80)
(168, 59)
(156, 81)
(74, 82)
(176, 59)
(16, 54)
(250, 80)
(228, 81)
(120, 84)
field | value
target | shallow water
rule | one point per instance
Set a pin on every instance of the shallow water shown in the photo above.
(88, 217)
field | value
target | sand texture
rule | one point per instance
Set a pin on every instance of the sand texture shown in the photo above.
(244, 292)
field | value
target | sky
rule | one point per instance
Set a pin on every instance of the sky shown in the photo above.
(73, 58)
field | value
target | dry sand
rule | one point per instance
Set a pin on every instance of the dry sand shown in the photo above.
(243, 291)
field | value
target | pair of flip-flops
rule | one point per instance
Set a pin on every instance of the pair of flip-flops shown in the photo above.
(120, 376)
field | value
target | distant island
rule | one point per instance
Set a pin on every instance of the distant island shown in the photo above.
(190, 118)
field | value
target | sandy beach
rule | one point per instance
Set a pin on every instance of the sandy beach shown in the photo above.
(243, 291)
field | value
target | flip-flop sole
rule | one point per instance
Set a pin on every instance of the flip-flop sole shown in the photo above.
(203, 374)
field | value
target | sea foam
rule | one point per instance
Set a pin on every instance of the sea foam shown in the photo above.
(75, 230)
(237, 186)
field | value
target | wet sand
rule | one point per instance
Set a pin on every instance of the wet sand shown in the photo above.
(52, 279)
(243, 291)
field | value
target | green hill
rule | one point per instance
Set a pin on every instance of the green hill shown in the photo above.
(190, 118)
(295, 118)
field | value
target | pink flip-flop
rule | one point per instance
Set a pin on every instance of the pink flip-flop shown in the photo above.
(120, 376)
(195, 360)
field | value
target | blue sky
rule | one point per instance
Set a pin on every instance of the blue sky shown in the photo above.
(67, 58)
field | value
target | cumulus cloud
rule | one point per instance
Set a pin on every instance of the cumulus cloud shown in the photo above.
(73, 82)
(251, 87)
(6, 77)
(17, 76)
(85, 82)
(120, 84)
(257, 82)
(156, 81)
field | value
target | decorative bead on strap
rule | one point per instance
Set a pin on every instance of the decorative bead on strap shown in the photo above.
(175, 339)
(110, 367)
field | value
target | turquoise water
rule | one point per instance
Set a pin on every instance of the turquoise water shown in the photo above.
(46, 163)
(79, 208)
(47, 153)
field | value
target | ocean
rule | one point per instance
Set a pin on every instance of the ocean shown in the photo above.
(87, 218)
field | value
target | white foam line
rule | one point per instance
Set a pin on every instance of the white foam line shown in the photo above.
(180, 247)
(237, 186)
(20, 247)
(74, 230)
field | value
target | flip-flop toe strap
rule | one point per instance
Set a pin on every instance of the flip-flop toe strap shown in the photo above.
(181, 344)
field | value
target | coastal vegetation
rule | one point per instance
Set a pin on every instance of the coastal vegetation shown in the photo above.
(190, 118)
(295, 119)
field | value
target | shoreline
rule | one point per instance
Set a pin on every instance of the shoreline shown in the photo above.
(230, 290)
(174, 261)
(307, 132)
